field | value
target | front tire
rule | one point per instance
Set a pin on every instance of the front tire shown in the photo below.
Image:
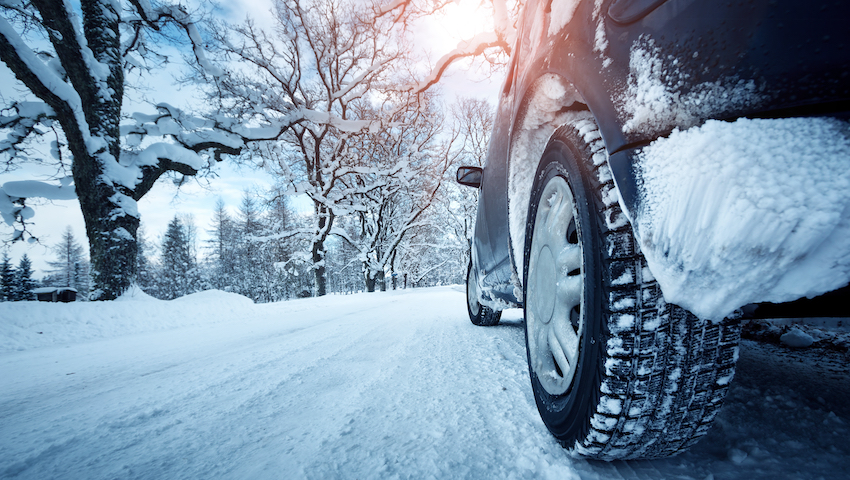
(617, 372)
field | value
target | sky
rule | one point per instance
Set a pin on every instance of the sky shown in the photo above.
(164, 201)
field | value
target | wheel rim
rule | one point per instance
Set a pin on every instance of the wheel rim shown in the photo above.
(471, 295)
(555, 289)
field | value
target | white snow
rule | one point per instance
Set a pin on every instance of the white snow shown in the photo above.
(562, 13)
(652, 102)
(15, 190)
(600, 40)
(797, 338)
(35, 188)
(384, 385)
(746, 212)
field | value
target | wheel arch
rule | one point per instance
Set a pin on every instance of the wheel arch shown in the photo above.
(548, 102)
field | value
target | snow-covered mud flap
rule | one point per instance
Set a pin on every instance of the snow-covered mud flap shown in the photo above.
(480, 315)
(617, 372)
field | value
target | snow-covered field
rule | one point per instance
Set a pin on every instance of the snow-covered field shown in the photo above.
(384, 385)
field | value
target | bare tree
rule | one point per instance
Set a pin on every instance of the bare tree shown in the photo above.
(326, 59)
(473, 118)
(437, 247)
(403, 170)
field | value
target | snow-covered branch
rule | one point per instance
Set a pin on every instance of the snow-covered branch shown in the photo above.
(467, 48)
(500, 38)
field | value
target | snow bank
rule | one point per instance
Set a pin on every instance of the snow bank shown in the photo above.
(745, 212)
(26, 325)
(797, 338)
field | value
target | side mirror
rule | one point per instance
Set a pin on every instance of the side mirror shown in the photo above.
(470, 176)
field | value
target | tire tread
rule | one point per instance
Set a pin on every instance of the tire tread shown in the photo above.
(667, 370)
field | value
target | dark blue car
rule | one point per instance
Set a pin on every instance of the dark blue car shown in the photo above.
(632, 278)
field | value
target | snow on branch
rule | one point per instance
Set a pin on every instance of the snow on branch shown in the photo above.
(155, 18)
(467, 48)
(13, 195)
(25, 121)
(40, 79)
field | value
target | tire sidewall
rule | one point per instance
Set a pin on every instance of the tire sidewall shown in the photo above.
(473, 316)
(486, 317)
(568, 415)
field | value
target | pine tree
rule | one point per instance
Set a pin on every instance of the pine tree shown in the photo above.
(23, 284)
(175, 279)
(144, 270)
(249, 227)
(7, 279)
(71, 269)
(222, 247)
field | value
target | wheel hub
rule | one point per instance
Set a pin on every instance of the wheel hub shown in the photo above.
(555, 289)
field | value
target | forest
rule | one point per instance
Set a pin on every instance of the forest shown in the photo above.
(328, 96)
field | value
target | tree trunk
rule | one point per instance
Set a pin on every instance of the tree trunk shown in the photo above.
(370, 282)
(320, 286)
(112, 235)
(109, 210)
(325, 222)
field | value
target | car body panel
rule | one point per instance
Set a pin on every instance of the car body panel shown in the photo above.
(759, 58)
(489, 253)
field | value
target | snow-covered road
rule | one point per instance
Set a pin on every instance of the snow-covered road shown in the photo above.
(385, 385)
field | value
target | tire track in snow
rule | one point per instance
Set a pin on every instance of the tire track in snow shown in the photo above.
(186, 403)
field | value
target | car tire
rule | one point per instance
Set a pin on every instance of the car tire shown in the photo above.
(480, 315)
(617, 372)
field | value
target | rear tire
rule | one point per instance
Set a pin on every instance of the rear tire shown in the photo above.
(478, 314)
(617, 372)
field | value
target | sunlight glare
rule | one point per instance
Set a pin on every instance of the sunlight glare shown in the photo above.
(458, 21)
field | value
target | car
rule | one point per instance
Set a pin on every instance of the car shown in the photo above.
(656, 168)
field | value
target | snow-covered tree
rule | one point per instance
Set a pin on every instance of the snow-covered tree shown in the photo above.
(458, 205)
(250, 249)
(324, 58)
(144, 269)
(23, 284)
(222, 247)
(7, 279)
(72, 60)
(178, 273)
(399, 175)
(70, 269)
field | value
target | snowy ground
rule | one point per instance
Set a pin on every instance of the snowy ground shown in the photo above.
(385, 385)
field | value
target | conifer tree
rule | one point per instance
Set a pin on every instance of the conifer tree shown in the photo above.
(178, 265)
(7, 279)
(144, 270)
(23, 284)
(70, 269)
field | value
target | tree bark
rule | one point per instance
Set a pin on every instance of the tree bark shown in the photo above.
(319, 278)
(112, 236)
(325, 222)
